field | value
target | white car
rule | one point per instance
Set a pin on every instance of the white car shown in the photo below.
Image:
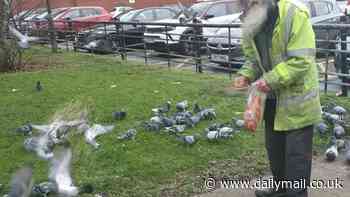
(117, 11)
(180, 38)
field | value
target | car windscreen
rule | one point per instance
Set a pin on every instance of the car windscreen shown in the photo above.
(54, 13)
(128, 16)
(199, 8)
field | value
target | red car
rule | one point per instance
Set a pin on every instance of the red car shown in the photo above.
(78, 18)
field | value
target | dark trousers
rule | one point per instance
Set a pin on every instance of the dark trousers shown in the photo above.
(289, 152)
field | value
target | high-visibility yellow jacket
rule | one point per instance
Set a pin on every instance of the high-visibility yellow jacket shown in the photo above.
(294, 74)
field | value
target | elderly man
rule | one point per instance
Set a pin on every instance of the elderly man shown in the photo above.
(279, 45)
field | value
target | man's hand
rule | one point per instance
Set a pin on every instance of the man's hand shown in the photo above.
(262, 86)
(241, 82)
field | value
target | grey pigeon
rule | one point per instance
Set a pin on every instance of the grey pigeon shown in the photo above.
(182, 106)
(238, 123)
(322, 128)
(38, 86)
(221, 133)
(341, 145)
(332, 118)
(44, 189)
(188, 139)
(175, 129)
(59, 173)
(119, 115)
(156, 119)
(338, 131)
(339, 110)
(332, 150)
(130, 134)
(94, 131)
(22, 183)
(167, 122)
(41, 145)
(25, 129)
(194, 120)
(208, 114)
(196, 108)
(151, 126)
(162, 110)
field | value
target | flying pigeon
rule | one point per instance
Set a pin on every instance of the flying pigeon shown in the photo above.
(38, 86)
(119, 115)
(338, 131)
(322, 127)
(44, 189)
(25, 129)
(182, 106)
(59, 173)
(22, 183)
(41, 145)
(188, 139)
(196, 108)
(95, 131)
(130, 134)
(162, 110)
(332, 150)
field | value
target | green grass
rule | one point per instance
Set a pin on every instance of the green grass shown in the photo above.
(152, 164)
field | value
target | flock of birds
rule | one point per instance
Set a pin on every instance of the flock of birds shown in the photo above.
(335, 123)
(50, 142)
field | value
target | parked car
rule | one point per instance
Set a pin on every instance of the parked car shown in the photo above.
(180, 38)
(78, 18)
(230, 54)
(104, 39)
(117, 11)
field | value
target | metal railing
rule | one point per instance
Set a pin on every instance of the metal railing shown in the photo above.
(203, 46)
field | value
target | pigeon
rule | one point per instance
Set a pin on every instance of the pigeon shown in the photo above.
(44, 189)
(341, 145)
(119, 115)
(182, 106)
(22, 183)
(188, 139)
(156, 119)
(167, 122)
(341, 111)
(130, 134)
(38, 86)
(94, 131)
(59, 173)
(332, 118)
(152, 126)
(221, 133)
(193, 121)
(322, 128)
(238, 123)
(196, 108)
(162, 110)
(41, 145)
(338, 131)
(332, 150)
(208, 114)
(26, 129)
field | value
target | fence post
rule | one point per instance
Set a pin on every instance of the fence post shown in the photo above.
(167, 44)
(123, 54)
(344, 69)
(143, 29)
(198, 31)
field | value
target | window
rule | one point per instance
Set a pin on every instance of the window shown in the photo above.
(321, 8)
(233, 7)
(217, 10)
(164, 13)
(73, 14)
(145, 16)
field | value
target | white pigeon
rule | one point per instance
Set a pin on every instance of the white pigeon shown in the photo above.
(60, 173)
(92, 132)
(41, 145)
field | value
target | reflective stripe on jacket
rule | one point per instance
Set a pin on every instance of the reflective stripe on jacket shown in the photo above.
(294, 74)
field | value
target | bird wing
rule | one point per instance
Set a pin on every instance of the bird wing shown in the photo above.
(95, 131)
(60, 172)
(42, 147)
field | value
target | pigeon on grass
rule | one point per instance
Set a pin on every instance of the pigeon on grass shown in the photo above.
(129, 135)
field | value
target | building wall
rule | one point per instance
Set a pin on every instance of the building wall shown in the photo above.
(107, 4)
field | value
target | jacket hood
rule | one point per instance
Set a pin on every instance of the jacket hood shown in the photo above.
(256, 15)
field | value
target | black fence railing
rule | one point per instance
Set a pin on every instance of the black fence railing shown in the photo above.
(202, 46)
